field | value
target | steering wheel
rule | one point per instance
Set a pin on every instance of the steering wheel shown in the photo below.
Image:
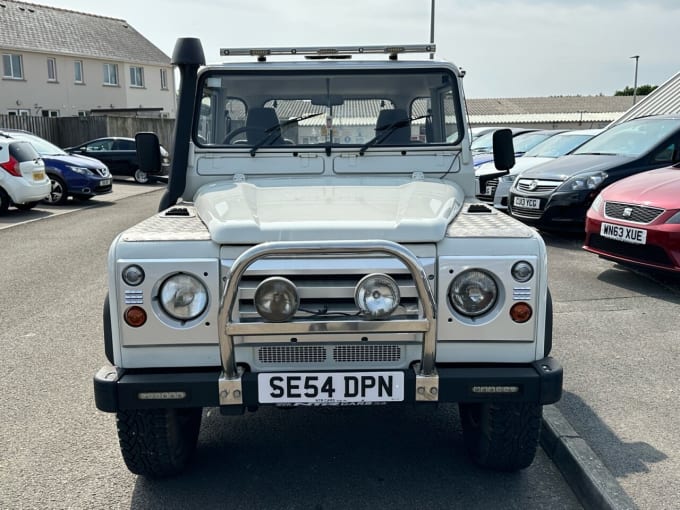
(232, 134)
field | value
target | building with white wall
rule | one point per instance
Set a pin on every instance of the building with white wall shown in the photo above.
(61, 63)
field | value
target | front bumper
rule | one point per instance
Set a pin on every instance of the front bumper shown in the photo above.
(557, 210)
(116, 389)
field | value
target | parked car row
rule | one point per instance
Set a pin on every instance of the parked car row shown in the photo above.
(622, 186)
(34, 170)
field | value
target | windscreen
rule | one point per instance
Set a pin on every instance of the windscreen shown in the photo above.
(348, 108)
(632, 138)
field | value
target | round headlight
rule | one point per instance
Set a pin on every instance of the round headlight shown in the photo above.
(473, 292)
(276, 299)
(133, 275)
(183, 297)
(377, 295)
(522, 271)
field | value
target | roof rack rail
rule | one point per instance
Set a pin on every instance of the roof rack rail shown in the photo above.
(320, 52)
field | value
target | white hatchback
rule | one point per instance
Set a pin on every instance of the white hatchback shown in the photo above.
(23, 181)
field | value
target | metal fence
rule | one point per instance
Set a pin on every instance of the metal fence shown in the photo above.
(69, 131)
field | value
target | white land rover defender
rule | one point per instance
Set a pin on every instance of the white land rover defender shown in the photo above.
(319, 243)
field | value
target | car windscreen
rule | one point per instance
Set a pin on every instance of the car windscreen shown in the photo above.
(557, 145)
(526, 141)
(633, 138)
(43, 147)
(347, 107)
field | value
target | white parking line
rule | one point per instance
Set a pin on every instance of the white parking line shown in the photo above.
(121, 189)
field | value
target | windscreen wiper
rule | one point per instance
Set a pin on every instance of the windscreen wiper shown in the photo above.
(388, 130)
(273, 131)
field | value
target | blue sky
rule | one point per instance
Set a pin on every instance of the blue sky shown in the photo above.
(509, 48)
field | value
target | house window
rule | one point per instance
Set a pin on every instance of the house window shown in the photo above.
(51, 69)
(164, 79)
(50, 113)
(12, 66)
(19, 113)
(82, 113)
(110, 74)
(78, 71)
(137, 76)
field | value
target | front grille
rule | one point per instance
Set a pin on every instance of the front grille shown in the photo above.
(525, 212)
(292, 354)
(325, 296)
(643, 252)
(536, 186)
(357, 353)
(634, 213)
(489, 190)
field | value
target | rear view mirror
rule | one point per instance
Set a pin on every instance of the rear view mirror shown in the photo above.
(148, 152)
(503, 149)
(327, 100)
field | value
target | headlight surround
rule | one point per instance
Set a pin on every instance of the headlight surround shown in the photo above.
(80, 170)
(584, 181)
(276, 299)
(377, 295)
(473, 292)
(673, 220)
(183, 296)
(597, 203)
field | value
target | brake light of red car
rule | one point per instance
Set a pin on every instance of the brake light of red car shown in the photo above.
(12, 166)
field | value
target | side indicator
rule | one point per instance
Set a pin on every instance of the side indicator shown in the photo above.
(520, 312)
(135, 316)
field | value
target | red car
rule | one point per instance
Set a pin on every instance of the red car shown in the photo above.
(637, 220)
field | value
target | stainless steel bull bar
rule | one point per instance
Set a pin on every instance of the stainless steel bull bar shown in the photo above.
(230, 388)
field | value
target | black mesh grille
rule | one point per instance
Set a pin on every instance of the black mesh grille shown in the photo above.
(525, 212)
(627, 212)
(642, 252)
(292, 354)
(354, 353)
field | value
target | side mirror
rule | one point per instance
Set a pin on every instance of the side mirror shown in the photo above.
(148, 152)
(503, 149)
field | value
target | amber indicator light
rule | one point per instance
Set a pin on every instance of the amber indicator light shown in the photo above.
(520, 312)
(135, 316)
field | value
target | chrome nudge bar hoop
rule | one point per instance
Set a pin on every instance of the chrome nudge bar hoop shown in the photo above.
(229, 382)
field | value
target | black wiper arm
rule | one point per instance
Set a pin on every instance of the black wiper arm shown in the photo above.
(272, 131)
(388, 130)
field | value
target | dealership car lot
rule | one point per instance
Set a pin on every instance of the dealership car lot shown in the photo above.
(557, 194)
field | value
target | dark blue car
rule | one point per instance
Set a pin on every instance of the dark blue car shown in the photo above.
(80, 177)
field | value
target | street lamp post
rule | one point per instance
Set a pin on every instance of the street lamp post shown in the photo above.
(636, 57)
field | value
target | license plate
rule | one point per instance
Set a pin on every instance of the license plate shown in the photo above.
(105, 182)
(529, 203)
(625, 234)
(38, 176)
(330, 388)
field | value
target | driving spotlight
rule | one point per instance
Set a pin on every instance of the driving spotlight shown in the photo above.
(277, 299)
(377, 295)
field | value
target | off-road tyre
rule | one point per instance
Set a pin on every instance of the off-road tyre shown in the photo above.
(157, 443)
(501, 436)
(27, 206)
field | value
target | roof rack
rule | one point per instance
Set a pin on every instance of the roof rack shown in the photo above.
(334, 52)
